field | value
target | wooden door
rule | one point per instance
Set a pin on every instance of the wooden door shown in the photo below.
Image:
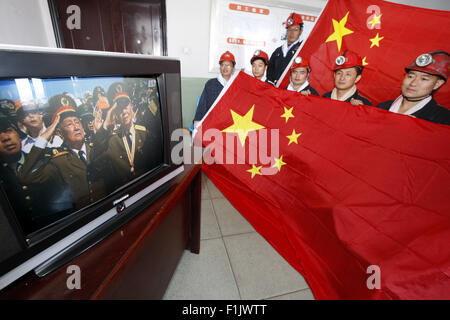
(133, 26)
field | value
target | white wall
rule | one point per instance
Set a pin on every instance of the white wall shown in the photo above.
(26, 22)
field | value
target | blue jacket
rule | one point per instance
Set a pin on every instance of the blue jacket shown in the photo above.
(211, 91)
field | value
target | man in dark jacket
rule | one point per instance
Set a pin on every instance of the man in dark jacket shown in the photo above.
(423, 78)
(281, 57)
(213, 87)
(347, 72)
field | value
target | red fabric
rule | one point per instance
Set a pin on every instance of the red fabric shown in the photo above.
(407, 31)
(362, 187)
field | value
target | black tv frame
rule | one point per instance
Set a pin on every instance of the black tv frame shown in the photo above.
(48, 249)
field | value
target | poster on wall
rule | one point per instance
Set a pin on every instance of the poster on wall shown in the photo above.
(242, 28)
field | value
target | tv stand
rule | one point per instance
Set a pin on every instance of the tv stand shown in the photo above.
(136, 261)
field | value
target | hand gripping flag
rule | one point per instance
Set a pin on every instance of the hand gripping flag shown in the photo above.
(387, 36)
(356, 199)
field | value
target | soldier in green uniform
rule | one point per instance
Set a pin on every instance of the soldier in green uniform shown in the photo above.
(73, 162)
(35, 205)
(127, 145)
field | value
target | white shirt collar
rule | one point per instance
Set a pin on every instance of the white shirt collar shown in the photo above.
(395, 106)
(303, 86)
(285, 47)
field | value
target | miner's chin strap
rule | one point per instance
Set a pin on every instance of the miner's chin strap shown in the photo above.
(415, 100)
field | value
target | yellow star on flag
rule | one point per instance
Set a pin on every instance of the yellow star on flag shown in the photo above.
(375, 20)
(254, 170)
(365, 63)
(242, 125)
(293, 137)
(376, 40)
(279, 163)
(339, 31)
(287, 113)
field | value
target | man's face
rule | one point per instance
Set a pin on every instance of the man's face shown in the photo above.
(299, 75)
(32, 120)
(9, 142)
(258, 68)
(417, 85)
(345, 78)
(72, 130)
(293, 33)
(126, 115)
(226, 68)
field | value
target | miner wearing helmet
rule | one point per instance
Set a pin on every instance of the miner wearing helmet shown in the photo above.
(281, 57)
(299, 73)
(259, 62)
(424, 76)
(213, 87)
(347, 72)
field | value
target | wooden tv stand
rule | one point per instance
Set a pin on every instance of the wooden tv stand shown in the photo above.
(138, 260)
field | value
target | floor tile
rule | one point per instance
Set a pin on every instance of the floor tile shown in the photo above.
(213, 191)
(230, 220)
(207, 275)
(205, 192)
(305, 294)
(209, 229)
(259, 270)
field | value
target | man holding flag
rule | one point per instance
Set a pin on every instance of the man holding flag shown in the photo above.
(423, 78)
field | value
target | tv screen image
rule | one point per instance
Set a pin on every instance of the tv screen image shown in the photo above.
(84, 147)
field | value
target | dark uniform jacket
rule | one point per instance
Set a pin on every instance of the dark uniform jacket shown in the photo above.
(211, 91)
(148, 154)
(278, 63)
(62, 167)
(356, 95)
(311, 89)
(431, 112)
(35, 204)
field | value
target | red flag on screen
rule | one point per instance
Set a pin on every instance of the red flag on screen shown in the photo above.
(355, 198)
(387, 36)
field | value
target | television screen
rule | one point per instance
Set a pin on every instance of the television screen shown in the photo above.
(85, 145)
(68, 142)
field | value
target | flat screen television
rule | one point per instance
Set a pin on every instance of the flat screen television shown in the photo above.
(85, 146)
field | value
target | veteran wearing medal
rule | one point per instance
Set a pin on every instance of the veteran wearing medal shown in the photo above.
(72, 166)
(347, 69)
(423, 78)
(281, 57)
(35, 205)
(125, 144)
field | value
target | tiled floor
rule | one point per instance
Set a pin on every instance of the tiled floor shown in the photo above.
(235, 262)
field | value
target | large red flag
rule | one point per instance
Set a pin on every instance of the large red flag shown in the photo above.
(388, 36)
(357, 199)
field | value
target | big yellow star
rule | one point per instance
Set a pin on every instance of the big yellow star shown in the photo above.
(375, 20)
(376, 40)
(242, 125)
(339, 31)
(287, 114)
(293, 137)
(279, 163)
(254, 170)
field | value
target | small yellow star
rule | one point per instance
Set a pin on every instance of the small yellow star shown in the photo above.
(287, 113)
(339, 31)
(279, 163)
(293, 137)
(365, 63)
(254, 170)
(376, 20)
(376, 40)
(242, 125)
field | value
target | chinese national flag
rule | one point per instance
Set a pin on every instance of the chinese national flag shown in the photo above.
(356, 199)
(388, 36)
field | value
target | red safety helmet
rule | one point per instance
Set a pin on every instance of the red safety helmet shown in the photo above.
(436, 63)
(301, 62)
(227, 56)
(348, 59)
(259, 54)
(294, 18)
